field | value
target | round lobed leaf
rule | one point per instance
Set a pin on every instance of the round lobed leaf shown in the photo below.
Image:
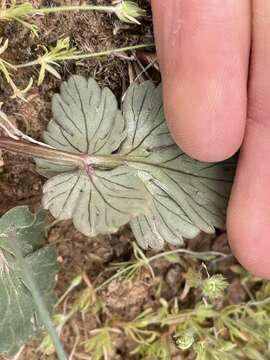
(86, 120)
(166, 195)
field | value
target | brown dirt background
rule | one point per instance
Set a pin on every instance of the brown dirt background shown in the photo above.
(21, 185)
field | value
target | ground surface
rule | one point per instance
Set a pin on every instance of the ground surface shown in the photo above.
(20, 184)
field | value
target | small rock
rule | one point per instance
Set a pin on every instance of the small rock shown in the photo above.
(173, 276)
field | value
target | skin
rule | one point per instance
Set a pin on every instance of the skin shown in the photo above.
(215, 64)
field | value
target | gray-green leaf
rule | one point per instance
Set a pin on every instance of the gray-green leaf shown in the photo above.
(188, 195)
(18, 318)
(99, 203)
(86, 120)
(166, 195)
(145, 120)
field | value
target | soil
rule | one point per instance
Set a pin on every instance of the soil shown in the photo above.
(21, 185)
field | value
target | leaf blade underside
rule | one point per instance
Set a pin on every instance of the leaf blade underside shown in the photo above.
(98, 204)
(182, 196)
(86, 120)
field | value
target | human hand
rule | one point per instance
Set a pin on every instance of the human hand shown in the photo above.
(204, 52)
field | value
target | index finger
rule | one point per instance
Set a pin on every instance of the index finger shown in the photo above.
(203, 49)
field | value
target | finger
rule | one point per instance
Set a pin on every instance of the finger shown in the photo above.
(203, 48)
(249, 212)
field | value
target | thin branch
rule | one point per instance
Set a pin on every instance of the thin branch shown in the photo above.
(91, 55)
(56, 9)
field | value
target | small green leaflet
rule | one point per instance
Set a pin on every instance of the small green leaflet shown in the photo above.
(18, 318)
(164, 194)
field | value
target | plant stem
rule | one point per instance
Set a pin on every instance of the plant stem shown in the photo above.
(108, 9)
(199, 255)
(91, 55)
(83, 161)
(38, 300)
(39, 151)
(115, 276)
(258, 303)
(203, 256)
(112, 51)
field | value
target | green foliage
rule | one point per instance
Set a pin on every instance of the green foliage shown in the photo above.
(46, 346)
(214, 287)
(60, 52)
(86, 301)
(234, 332)
(158, 350)
(129, 270)
(207, 331)
(49, 61)
(18, 12)
(129, 11)
(132, 170)
(126, 11)
(184, 339)
(231, 332)
(5, 71)
(20, 229)
(193, 278)
(100, 344)
(138, 328)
